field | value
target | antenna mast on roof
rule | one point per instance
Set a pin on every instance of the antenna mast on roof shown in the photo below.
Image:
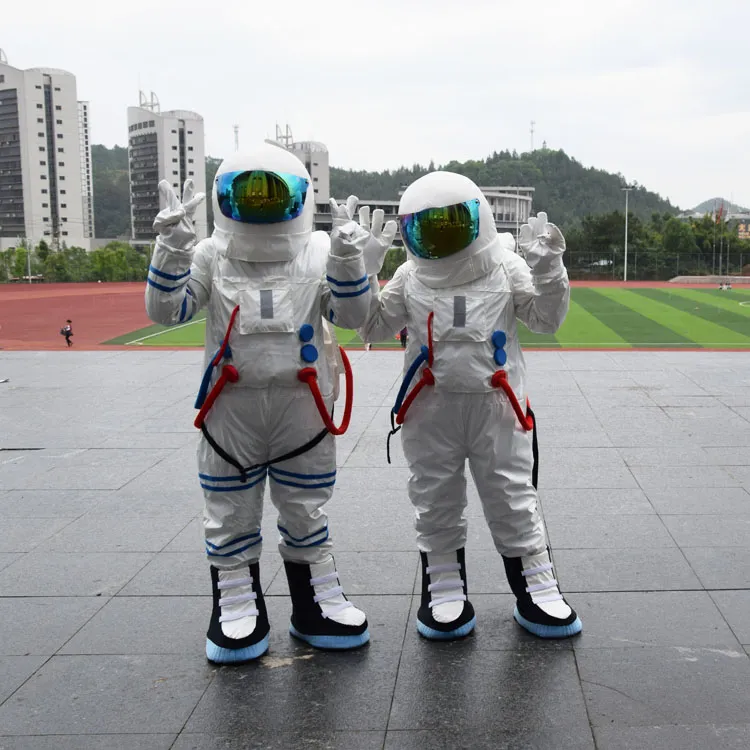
(3, 57)
(236, 137)
(533, 122)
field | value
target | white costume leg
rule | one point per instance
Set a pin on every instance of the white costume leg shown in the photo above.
(322, 615)
(232, 521)
(434, 446)
(501, 462)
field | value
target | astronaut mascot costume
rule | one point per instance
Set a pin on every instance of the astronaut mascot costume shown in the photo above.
(459, 295)
(267, 281)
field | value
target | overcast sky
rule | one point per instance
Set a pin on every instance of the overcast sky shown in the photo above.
(658, 90)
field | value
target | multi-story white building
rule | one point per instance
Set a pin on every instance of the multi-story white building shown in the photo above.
(46, 188)
(163, 146)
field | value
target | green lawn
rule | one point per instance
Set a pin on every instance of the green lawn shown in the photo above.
(599, 317)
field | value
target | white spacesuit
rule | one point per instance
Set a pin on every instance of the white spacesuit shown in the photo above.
(459, 295)
(267, 281)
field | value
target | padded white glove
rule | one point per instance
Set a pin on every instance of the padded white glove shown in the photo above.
(174, 224)
(541, 244)
(344, 213)
(348, 239)
(380, 238)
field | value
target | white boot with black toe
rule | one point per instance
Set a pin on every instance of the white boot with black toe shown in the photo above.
(321, 614)
(238, 631)
(445, 611)
(540, 607)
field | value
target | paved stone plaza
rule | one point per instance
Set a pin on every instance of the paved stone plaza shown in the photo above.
(104, 588)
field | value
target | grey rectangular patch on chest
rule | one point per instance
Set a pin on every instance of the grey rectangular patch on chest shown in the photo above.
(459, 312)
(266, 304)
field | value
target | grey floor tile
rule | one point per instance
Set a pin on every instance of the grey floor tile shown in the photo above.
(593, 476)
(48, 503)
(735, 606)
(282, 740)
(665, 456)
(599, 502)
(624, 570)
(89, 742)
(741, 473)
(7, 558)
(656, 618)
(24, 534)
(495, 739)
(108, 694)
(700, 500)
(187, 574)
(357, 687)
(145, 625)
(720, 567)
(680, 737)
(61, 574)
(723, 456)
(190, 539)
(127, 534)
(636, 686)
(610, 532)
(665, 477)
(485, 573)
(158, 502)
(367, 573)
(467, 688)
(705, 531)
(41, 625)
(14, 671)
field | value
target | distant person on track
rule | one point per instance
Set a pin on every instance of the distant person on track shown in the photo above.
(402, 335)
(67, 331)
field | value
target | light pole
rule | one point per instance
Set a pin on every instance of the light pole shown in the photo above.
(626, 190)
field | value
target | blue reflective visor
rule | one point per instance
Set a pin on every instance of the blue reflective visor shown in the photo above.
(260, 197)
(441, 232)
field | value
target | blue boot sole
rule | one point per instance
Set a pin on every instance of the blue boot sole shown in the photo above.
(219, 655)
(440, 635)
(548, 631)
(332, 642)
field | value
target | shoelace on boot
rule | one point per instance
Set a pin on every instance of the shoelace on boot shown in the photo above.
(237, 599)
(451, 584)
(543, 585)
(329, 594)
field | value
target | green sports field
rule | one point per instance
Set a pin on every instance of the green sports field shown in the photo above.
(599, 317)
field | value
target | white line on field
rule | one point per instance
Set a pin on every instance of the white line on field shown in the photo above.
(167, 330)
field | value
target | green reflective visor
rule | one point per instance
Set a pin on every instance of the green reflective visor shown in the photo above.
(260, 197)
(441, 232)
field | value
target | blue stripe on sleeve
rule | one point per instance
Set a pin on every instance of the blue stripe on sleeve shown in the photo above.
(169, 276)
(331, 280)
(350, 294)
(163, 288)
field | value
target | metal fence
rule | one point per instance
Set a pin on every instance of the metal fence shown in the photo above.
(652, 265)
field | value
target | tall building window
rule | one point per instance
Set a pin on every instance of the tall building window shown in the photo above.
(61, 164)
(59, 122)
(41, 135)
(58, 107)
(40, 120)
(40, 106)
(41, 148)
(63, 205)
(59, 135)
(42, 163)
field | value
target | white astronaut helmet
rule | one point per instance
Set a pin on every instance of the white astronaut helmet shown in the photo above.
(449, 230)
(264, 204)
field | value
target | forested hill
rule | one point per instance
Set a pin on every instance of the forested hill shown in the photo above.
(566, 189)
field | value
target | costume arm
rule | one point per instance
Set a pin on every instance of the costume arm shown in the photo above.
(540, 300)
(346, 292)
(179, 282)
(388, 312)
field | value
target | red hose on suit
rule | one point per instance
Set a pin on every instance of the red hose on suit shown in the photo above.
(427, 377)
(500, 380)
(310, 376)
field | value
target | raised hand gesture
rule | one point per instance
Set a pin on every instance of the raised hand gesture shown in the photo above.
(174, 224)
(540, 243)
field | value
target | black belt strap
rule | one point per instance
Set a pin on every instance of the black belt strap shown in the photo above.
(534, 449)
(245, 470)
